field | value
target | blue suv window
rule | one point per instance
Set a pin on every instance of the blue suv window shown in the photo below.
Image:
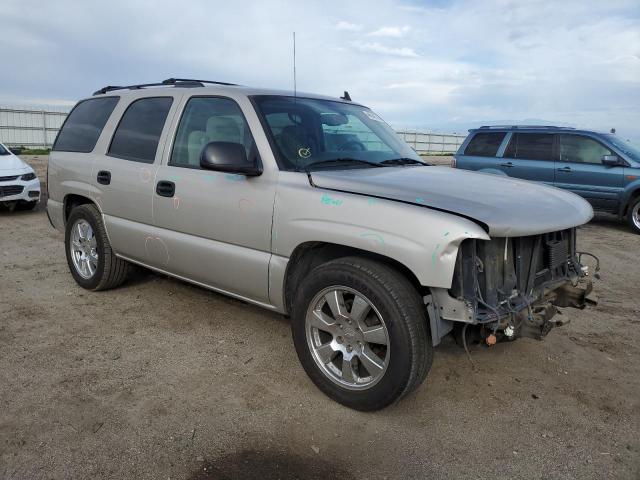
(530, 146)
(579, 149)
(485, 144)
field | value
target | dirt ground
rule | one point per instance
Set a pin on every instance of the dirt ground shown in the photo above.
(161, 379)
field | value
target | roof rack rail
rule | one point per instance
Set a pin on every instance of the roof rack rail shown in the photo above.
(169, 82)
(515, 127)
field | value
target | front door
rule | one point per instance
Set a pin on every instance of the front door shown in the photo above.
(214, 228)
(581, 171)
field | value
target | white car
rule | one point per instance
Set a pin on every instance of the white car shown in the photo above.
(19, 184)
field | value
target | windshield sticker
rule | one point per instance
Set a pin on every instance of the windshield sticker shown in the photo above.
(304, 152)
(372, 115)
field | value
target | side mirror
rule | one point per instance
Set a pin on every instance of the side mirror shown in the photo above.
(611, 160)
(228, 157)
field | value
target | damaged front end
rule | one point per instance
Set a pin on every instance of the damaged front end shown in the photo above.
(512, 287)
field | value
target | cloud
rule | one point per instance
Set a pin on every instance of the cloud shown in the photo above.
(348, 27)
(374, 47)
(442, 64)
(394, 32)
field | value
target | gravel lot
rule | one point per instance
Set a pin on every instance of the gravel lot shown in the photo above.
(161, 379)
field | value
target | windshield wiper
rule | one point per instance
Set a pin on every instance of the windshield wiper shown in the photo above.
(342, 161)
(403, 161)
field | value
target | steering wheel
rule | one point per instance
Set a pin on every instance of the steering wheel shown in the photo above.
(354, 144)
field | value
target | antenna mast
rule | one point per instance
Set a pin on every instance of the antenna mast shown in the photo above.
(294, 66)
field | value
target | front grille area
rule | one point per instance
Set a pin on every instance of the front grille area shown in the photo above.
(494, 270)
(9, 179)
(10, 190)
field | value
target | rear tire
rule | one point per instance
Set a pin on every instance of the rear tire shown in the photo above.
(633, 215)
(91, 260)
(337, 351)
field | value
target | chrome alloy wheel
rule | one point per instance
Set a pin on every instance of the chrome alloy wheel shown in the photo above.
(347, 337)
(635, 215)
(84, 253)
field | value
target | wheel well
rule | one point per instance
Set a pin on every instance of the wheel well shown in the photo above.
(72, 201)
(308, 256)
(632, 198)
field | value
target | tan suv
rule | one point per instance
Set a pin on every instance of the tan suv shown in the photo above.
(313, 207)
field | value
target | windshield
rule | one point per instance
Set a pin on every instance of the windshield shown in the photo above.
(626, 147)
(3, 150)
(310, 133)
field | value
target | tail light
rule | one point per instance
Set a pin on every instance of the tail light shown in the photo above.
(453, 162)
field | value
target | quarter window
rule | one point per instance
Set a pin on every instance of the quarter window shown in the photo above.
(83, 126)
(485, 144)
(205, 120)
(138, 133)
(579, 149)
(530, 146)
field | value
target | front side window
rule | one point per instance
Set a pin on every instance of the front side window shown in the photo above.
(205, 120)
(3, 151)
(530, 146)
(485, 144)
(308, 132)
(139, 130)
(83, 126)
(580, 149)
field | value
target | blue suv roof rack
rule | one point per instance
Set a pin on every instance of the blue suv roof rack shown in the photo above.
(528, 127)
(169, 82)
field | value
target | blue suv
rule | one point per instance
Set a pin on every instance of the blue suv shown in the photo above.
(600, 167)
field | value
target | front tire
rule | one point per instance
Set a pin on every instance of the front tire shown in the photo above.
(633, 215)
(360, 331)
(91, 260)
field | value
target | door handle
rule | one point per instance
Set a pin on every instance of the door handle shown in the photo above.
(165, 188)
(508, 165)
(565, 169)
(104, 177)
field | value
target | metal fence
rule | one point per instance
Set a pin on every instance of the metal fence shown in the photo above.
(30, 127)
(37, 128)
(424, 142)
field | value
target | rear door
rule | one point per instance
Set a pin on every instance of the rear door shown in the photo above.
(530, 156)
(124, 174)
(580, 170)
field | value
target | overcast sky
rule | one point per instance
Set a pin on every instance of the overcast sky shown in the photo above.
(444, 65)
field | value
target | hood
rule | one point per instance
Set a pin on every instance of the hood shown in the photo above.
(11, 162)
(508, 207)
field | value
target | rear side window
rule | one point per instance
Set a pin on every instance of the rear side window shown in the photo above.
(139, 130)
(83, 126)
(530, 146)
(485, 144)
